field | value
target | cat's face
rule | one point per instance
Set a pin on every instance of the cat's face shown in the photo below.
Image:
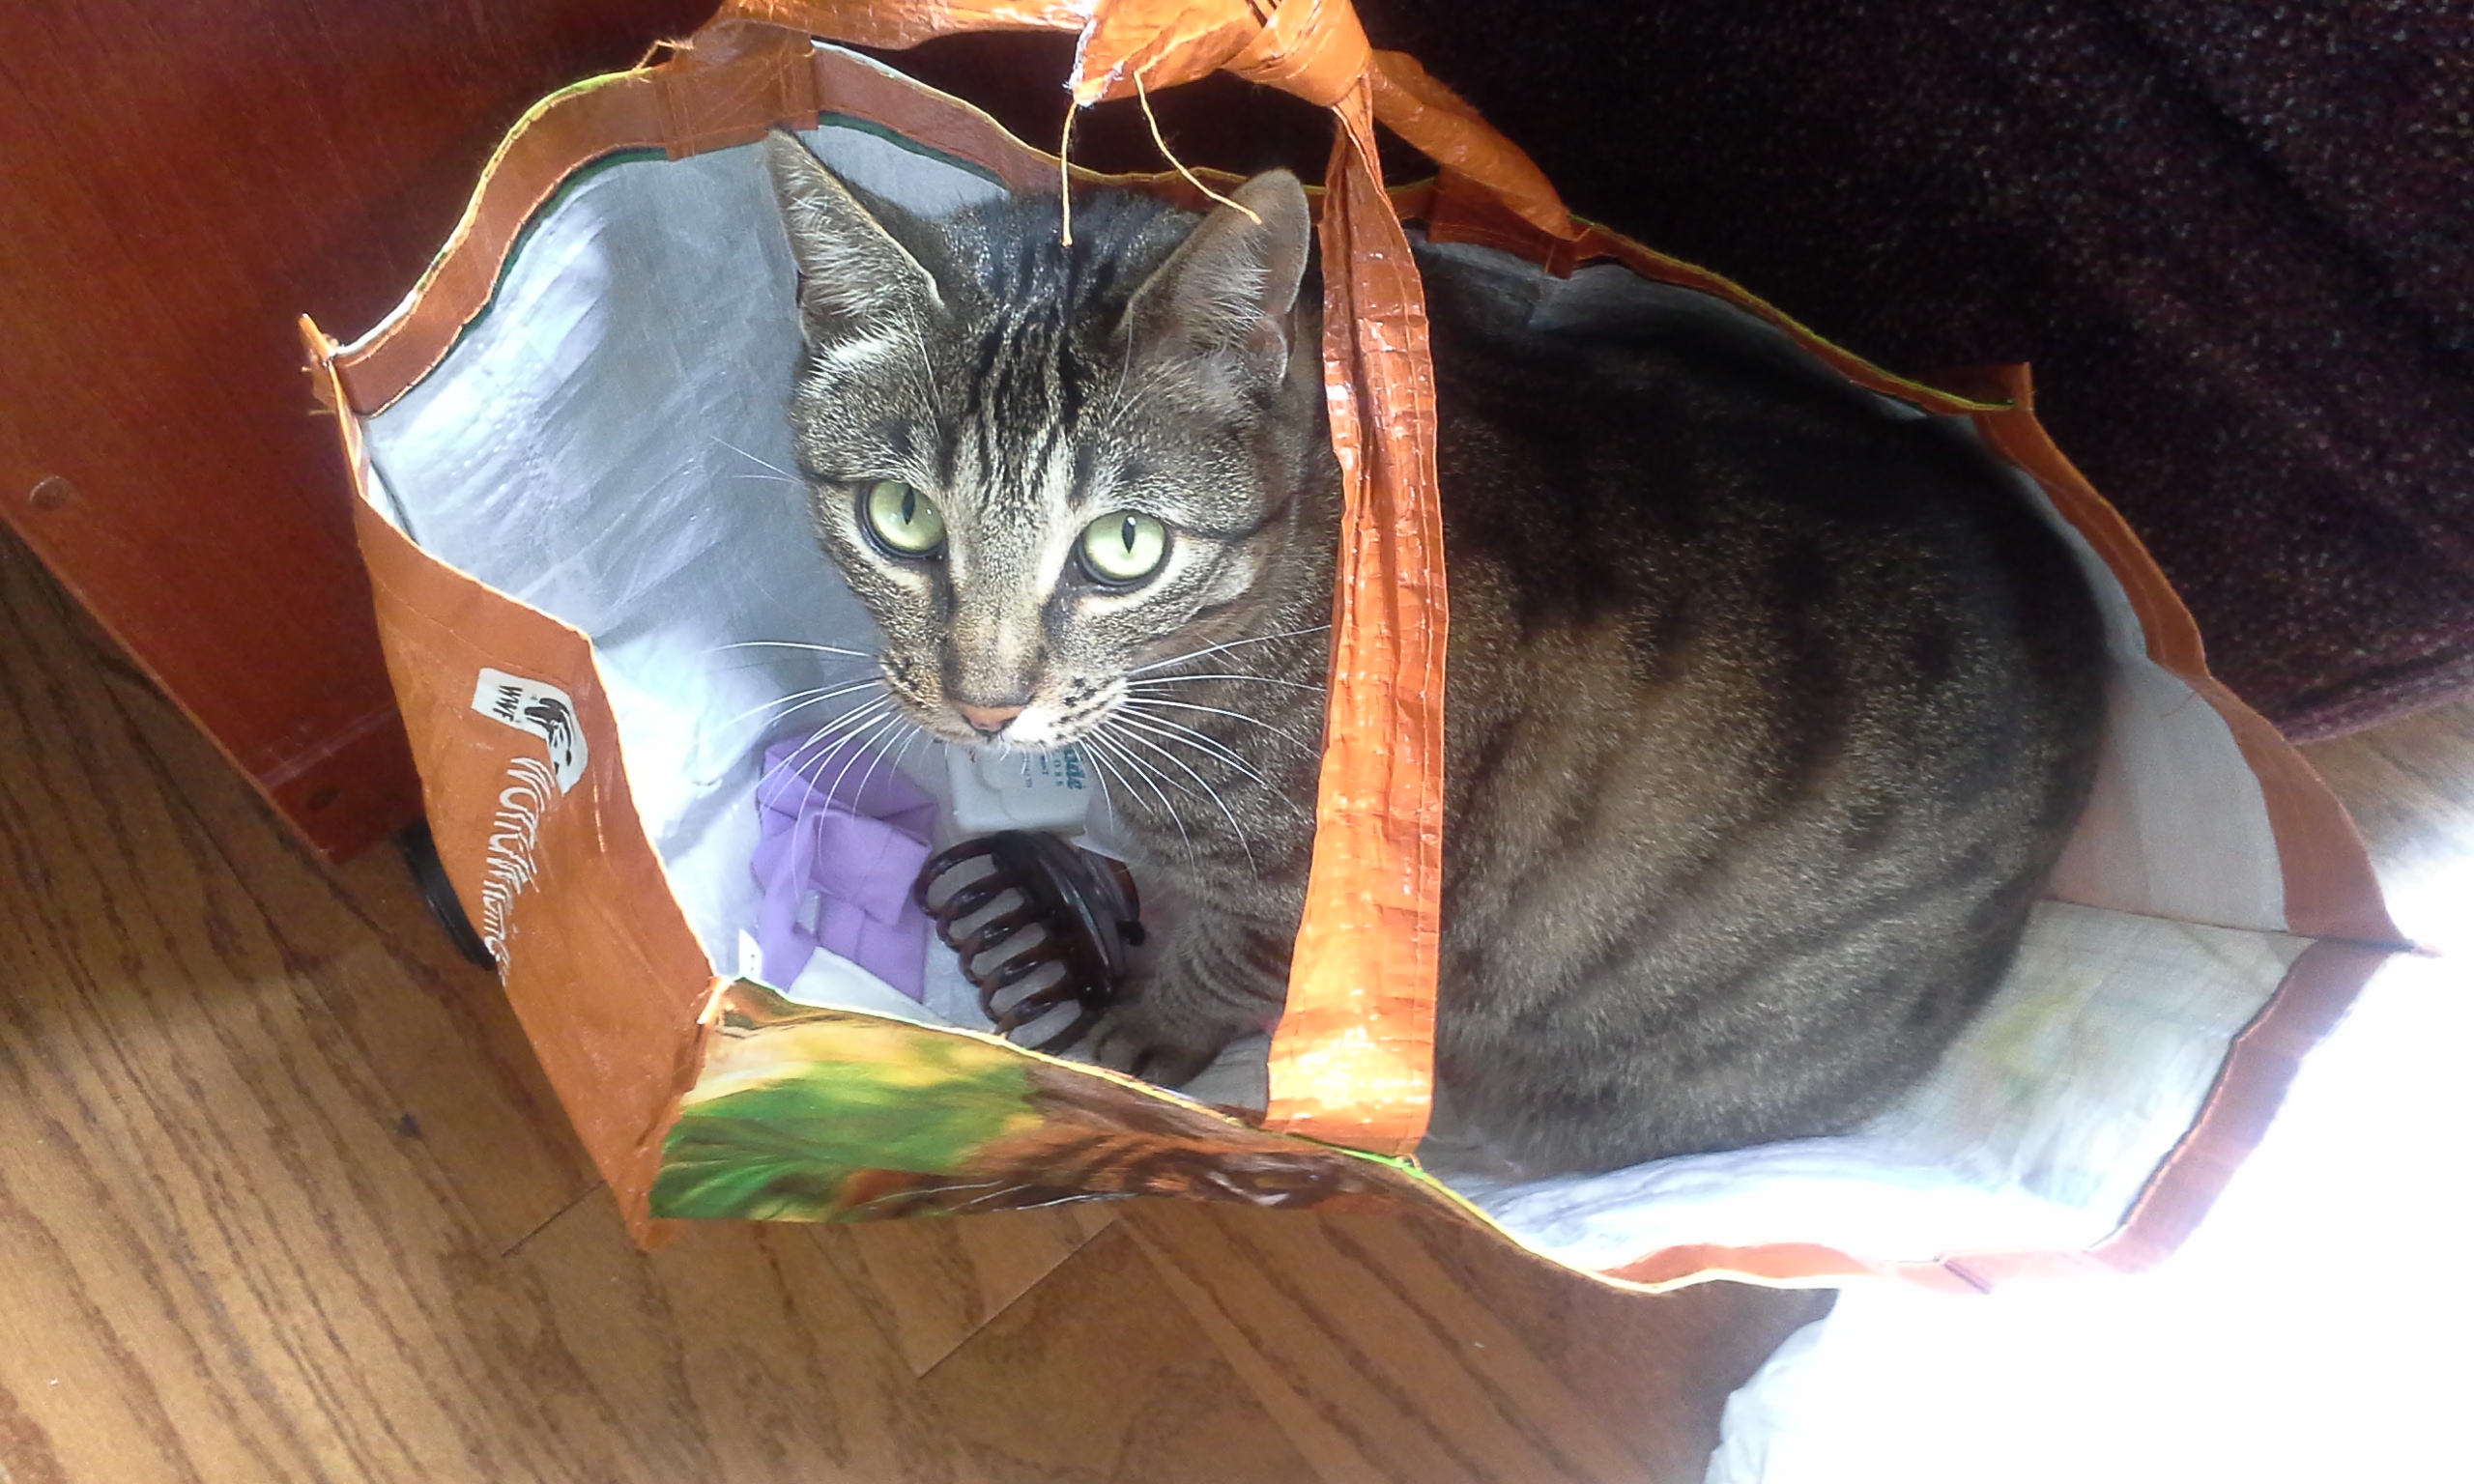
(1043, 468)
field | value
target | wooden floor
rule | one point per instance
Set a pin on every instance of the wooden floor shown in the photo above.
(283, 1197)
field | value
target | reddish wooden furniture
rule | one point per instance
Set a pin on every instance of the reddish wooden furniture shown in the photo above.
(178, 182)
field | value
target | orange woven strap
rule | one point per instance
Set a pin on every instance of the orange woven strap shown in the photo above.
(1434, 120)
(1353, 1060)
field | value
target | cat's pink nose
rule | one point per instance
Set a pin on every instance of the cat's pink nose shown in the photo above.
(987, 720)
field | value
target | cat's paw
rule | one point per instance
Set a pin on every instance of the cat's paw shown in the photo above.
(1165, 1051)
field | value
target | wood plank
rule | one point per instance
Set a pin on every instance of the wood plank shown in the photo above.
(1379, 1362)
(935, 1283)
(1100, 1376)
(737, 1354)
(224, 1263)
(437, 1031)
(156, 443)
(1654, 1370)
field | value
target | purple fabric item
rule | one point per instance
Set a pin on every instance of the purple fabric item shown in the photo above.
(840, 839)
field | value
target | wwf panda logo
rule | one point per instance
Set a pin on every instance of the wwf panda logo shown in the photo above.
(541, 709)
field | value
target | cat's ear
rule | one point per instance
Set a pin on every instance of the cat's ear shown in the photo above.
(854, 276)
(1223, 296)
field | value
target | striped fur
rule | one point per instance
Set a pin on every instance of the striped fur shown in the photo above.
(1768, 712)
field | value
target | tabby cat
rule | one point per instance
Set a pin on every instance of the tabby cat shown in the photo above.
(1768, 710)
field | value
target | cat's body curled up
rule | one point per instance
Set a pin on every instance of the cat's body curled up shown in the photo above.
(1768, 710)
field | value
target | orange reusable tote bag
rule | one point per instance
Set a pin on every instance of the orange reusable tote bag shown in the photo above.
(594, 585)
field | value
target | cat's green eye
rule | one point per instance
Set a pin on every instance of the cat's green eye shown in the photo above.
(1124, 547)
(905, 520)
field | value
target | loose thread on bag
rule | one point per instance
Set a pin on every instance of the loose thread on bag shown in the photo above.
(1065, 178)
(663, 51)
(1143, 95)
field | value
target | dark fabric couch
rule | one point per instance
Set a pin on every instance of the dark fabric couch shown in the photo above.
(2236, 242)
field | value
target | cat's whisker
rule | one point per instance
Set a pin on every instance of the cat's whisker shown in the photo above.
(1160, 680)
(1106, 797)
(1146, 702)
(876, 759)
(1098, 754)
(795, 764)
(1209, 746)
(835, 729)
(856, 745)
(876, 756)
(922, 374)
(753, 459)
(789, 644)
(1119, 407)
(1103, 748)
(1117, 742)
(1195, 655)
(1135, 713)
(847, 718)
(917, 736)
(799, 701)
(1081, 744)
(1126, 408)
(1208, 791)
